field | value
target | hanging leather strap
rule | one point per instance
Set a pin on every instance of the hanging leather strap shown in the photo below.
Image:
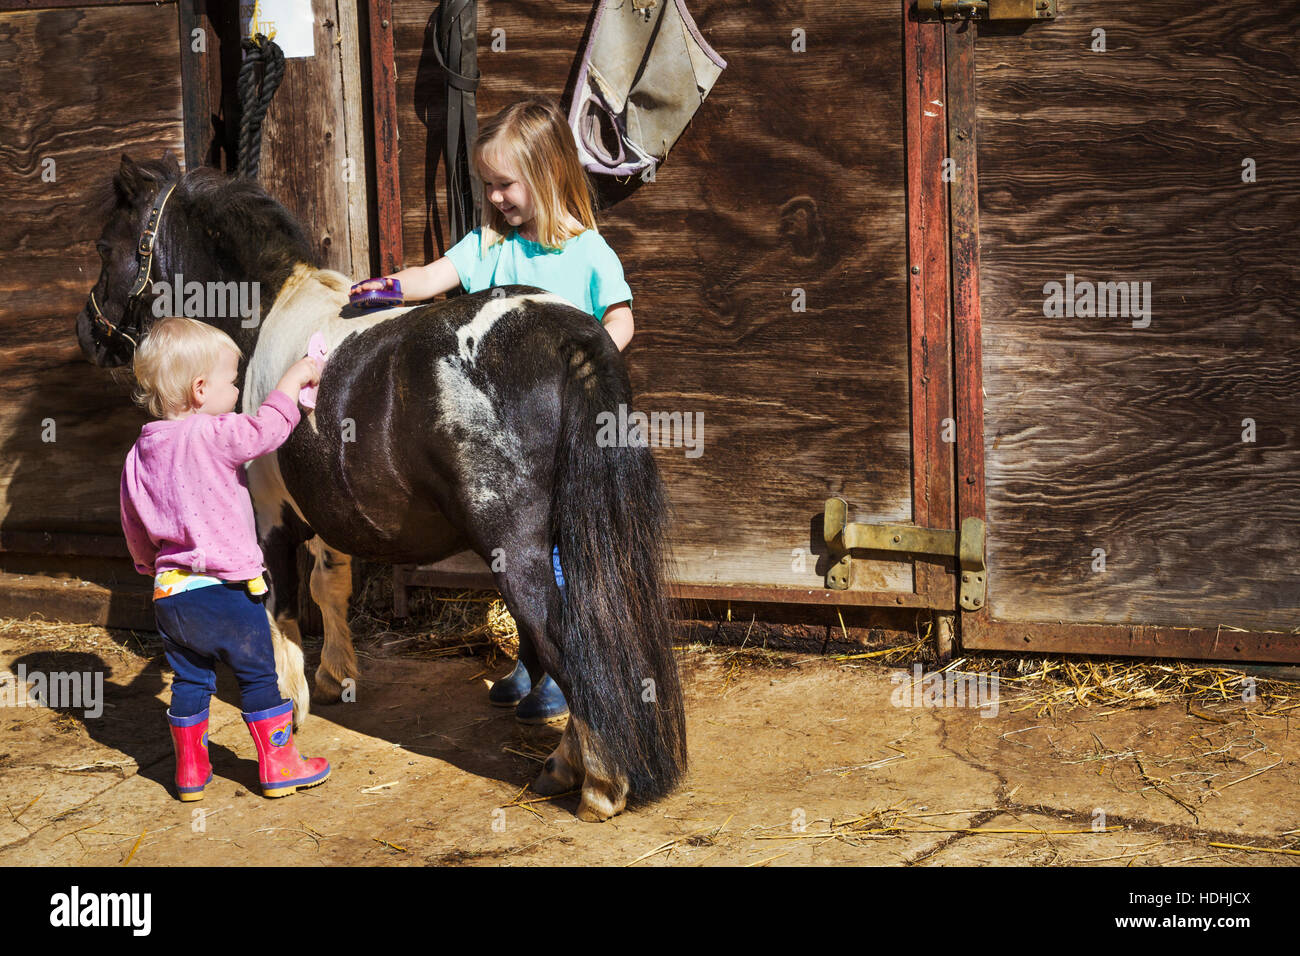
(457, 24)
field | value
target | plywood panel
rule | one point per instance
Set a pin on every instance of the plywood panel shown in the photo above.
(790, 176)
(313, 157)
(1127, 166)
(80, 87)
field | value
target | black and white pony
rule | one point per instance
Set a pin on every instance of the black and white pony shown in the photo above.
(468, 423)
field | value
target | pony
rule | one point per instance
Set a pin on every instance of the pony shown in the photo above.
(469, 423)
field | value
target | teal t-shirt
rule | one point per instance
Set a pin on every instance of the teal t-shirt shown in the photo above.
(585, 271)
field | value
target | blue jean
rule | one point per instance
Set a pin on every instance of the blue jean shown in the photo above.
(217, 622)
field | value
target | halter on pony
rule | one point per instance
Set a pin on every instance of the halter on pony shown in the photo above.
(144, 251)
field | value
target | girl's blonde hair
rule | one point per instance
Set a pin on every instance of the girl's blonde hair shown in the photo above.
(533, 136)
(174, 353)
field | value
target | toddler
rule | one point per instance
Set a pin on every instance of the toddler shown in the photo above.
(188, 521)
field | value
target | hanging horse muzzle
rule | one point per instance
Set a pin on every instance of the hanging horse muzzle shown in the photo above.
(645, 71)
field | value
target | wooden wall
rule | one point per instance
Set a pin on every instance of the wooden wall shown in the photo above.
(314, 141)
(79, 88)
(790, 175)
(1127, 165)
(83, 85)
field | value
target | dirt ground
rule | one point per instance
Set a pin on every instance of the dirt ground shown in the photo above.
(795, 759)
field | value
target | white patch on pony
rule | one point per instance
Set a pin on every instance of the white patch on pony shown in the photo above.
(462, 403)
(477, 328)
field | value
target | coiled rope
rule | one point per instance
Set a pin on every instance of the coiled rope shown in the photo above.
(255, 99)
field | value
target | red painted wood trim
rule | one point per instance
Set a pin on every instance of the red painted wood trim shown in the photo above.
(383, 86)
(927, 243)
(967, 323)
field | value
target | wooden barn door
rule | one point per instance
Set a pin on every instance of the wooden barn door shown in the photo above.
(84, 82)
(789, 289)
(69, 108)
(1140, 457)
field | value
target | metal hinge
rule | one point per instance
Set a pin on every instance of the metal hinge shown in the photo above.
(986, 9)
(967, 547)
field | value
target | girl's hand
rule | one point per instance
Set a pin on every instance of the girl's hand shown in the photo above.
(380, 293)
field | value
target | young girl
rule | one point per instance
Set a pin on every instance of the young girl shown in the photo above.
(188, 521)
(539, 229)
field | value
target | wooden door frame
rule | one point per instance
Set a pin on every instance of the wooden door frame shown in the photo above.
(388, 255)
(979, 630)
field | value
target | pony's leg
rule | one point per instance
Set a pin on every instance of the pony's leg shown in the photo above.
(525, 584)
(604, 790)
(562, 771)
(287, 644)
(331, 587)
(279, 550)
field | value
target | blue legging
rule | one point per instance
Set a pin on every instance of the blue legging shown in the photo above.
(220, 621)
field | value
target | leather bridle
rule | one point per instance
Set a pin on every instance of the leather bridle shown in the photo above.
(144, 253)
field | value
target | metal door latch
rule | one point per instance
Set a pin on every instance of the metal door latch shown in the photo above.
(986, 9)
(967, 546)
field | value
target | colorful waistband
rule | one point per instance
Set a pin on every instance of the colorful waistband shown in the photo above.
(174, 581)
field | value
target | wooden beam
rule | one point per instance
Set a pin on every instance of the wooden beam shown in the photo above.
(427, 577)
(981, 632)
(61, 542)
(354, 131)
(927, 242)
(383, 98)
(75, 601)
(201, 87)
(7, 6)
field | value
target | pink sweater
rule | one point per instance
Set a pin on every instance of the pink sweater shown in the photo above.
(184, 492)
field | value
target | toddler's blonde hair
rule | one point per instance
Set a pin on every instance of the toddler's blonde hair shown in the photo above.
(174, 353)
(533, 136)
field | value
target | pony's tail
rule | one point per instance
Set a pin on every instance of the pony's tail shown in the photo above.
(609, 517)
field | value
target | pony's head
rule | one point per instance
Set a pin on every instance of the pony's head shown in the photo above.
(160, 223)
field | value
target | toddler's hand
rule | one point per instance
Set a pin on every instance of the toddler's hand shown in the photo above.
(306, 371)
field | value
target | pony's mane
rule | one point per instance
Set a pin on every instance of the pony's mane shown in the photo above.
(265, 233)
(249, 227)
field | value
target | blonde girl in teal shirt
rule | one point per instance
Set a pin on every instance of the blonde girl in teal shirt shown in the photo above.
(539, 224)
(539, 229)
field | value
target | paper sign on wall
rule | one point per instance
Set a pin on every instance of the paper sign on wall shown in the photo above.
(292, 21)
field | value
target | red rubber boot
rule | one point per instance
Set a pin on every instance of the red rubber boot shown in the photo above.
(280, 768)
(190, 741)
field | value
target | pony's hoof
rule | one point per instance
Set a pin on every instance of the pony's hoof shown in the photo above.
(596, 808)
(327, 690)
(556, 778)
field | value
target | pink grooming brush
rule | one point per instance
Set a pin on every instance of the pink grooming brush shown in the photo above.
(315, 349)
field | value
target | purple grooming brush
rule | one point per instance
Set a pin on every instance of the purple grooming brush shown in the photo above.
(387, 297)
